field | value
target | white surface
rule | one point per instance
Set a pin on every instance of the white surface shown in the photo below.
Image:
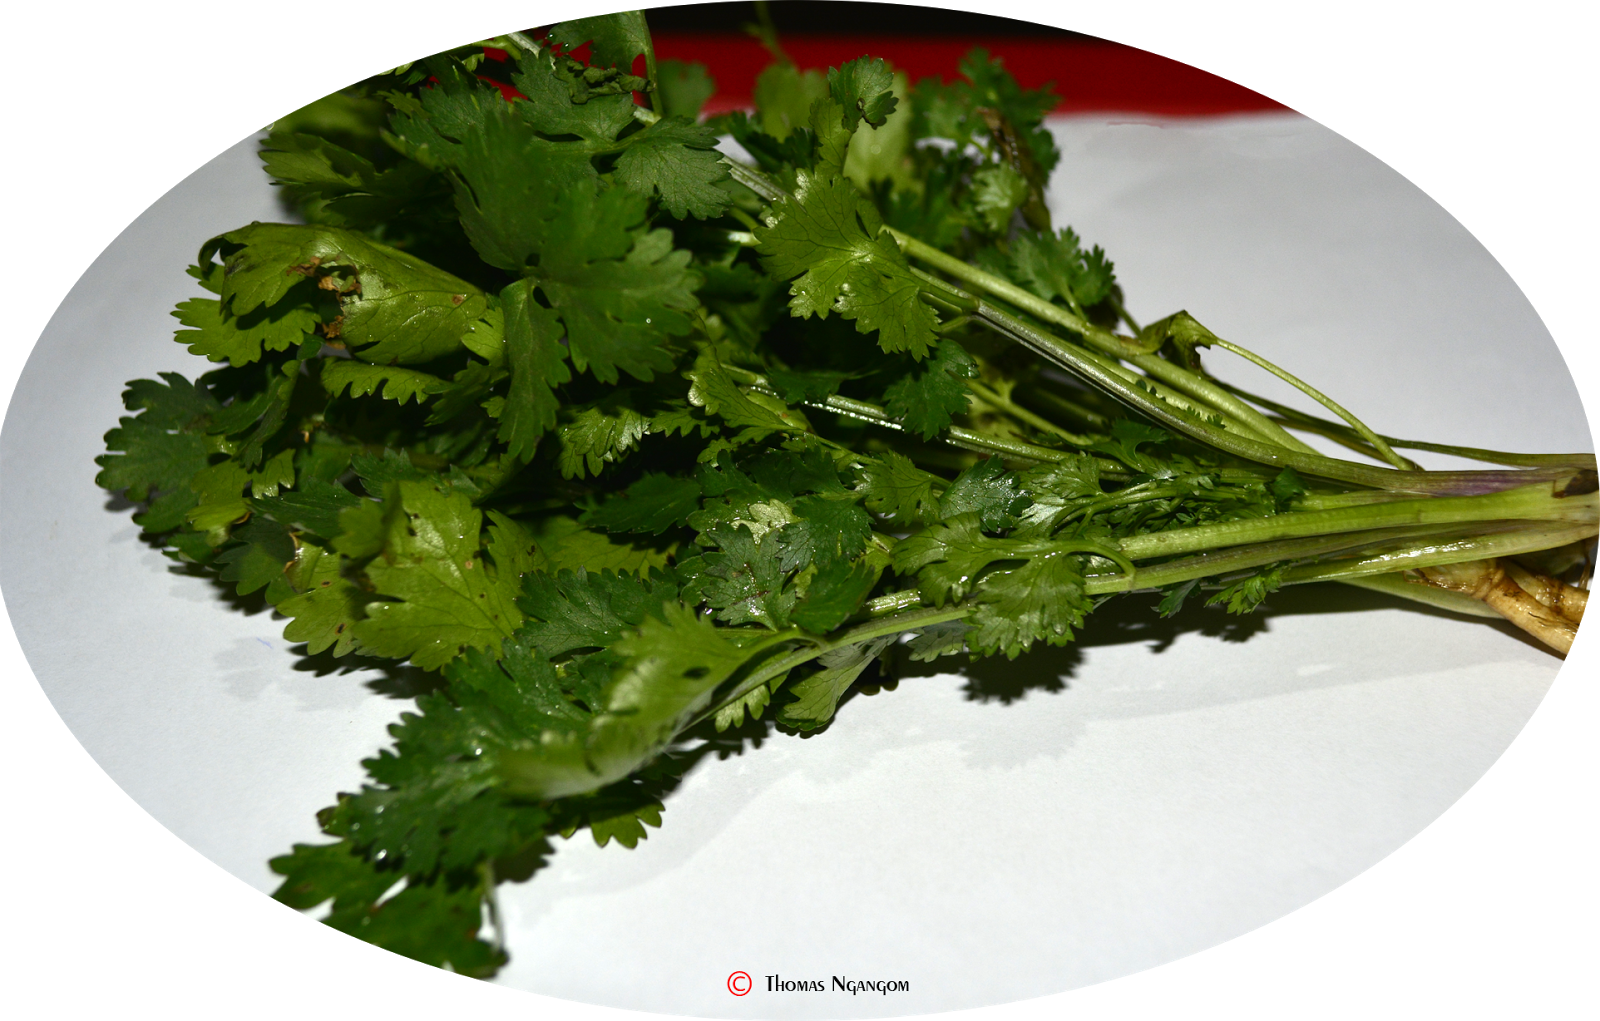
(1154, 792)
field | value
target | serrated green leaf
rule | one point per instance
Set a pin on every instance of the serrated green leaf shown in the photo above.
(326, 605)
(398, 385)
(240, 340)
(834, 594)
(988, 490)
(597, 437)
(677, 161)
(614, 39)
(894, 487)
(569, 546)
(817, 695)
(1043, 600)
(446, 601)
(827, 239)
(263, 548)
(925, 398)
(394, 308)
(653, 504)
(582, 610)
(683, 87)
(538, 365)
(826, 531)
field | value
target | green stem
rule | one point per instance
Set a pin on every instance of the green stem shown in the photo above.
(1122, 314)
(1216, 400)
(780, 665)
(1477, 547)
(1079, 361)
(1372, 545)
(753, 179)
(1442, 599)
(1073, 410)
(744, 218)
(1536, 502)
(956, 436)
(1335, 431)
(650, 67)
(1359, 426)
(1039, 422)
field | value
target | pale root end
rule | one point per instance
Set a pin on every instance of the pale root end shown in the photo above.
(1544, 607)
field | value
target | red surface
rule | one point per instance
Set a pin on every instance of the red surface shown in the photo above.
(1090, 77)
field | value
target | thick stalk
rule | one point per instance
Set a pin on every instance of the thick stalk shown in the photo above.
(1427, 595)
(1077, 360)
(966, 439)
(1217, 399)
(1531, 503)
(1348, 436)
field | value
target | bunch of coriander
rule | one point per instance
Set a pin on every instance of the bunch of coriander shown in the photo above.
(628, 440)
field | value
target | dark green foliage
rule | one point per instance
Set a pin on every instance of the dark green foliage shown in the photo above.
(630, 450)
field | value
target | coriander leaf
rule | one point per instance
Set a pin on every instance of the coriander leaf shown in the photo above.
(683, 88)
(678, 161)
(582, 610)
(671, 666)
(326, 605)
(1173, 598)
(1054, 491)
(1286, 487)
(240, 340)
(997, 191)
(754, 702)
(714, 390)
(314, 507)
(653, 504)
(826, 531)
(598, 436)
(263, 549)
(743, 577)
(828, 239)
(1246, 594)
(434, 923)
(834, 594)
(378, 470)
(949, 557)
(622, 810)
(165, 445)
(620, 290)
(894, 487)
(783, 95)
(800, 387)
(568, 545)
(1041, 600)
(1053, 265)
(615, 39)
(925, 398)
(398, 385)
(946, 638)
(988, 490)
(538, 365)
(817, 695)
(521, 683)
(447, 601)
(864, 88)
(394, 308)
